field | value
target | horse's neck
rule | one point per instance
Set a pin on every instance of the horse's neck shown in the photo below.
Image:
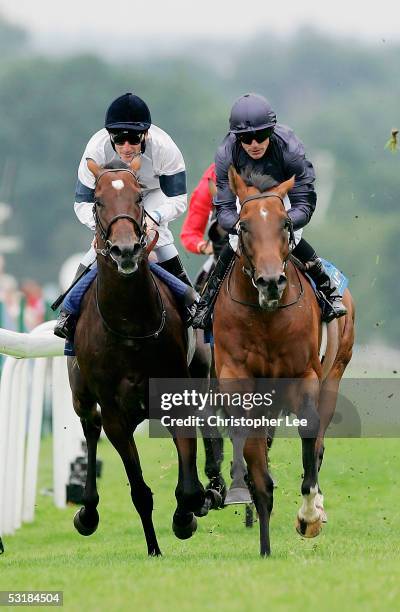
(130, 301)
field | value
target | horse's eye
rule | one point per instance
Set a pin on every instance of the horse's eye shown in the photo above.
(98, 202)
(243, 226)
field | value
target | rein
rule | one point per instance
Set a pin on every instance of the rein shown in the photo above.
(154, 334)
(257, 306)
(251, 272)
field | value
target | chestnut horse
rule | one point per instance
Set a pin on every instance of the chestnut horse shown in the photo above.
(129, 330)
(267, 324)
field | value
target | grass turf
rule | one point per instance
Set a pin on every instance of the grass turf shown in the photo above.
(354, 563)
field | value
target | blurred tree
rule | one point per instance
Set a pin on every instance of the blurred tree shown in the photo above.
(334, 93)
(13, 39)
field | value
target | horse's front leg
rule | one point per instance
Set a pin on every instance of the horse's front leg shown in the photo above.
(308, 521)
(261, 486)
(189, 492)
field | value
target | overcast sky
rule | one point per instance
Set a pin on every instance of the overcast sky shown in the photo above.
(376, 21)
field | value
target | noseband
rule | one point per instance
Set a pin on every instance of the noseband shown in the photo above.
(140, 227)
(251, 272)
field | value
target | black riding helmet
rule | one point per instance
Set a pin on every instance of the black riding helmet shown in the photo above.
(128, 112)
(251, 112)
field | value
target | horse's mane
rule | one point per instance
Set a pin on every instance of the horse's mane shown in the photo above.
(254, 178)
(116, 164)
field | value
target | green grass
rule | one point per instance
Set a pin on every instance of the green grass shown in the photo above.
(354, 563)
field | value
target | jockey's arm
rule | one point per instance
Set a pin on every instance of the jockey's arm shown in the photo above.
(170, 167)
(225, 199)
(200, 206)
(303, 197)
(84, 191)
(84, 199)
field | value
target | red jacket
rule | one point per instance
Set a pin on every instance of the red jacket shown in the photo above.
(200, 206)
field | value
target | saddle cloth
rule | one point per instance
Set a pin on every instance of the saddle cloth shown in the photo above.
(72, 302)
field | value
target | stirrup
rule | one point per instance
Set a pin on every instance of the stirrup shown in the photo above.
(332, 310)
(202, 317)
(65, 326)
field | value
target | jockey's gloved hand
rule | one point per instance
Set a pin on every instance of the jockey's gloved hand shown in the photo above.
(153, 222)
(205, 248)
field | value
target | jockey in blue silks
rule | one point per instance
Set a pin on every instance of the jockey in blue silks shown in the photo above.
(257, 142)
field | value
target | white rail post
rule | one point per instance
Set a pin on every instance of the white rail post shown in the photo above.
(34, 434)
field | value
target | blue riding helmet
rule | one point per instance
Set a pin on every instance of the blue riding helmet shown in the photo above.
(251, 112)
(128, 112)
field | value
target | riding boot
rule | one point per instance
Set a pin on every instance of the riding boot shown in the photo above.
(191, 297)
(66, 321)
(334, 306)
(202, 318)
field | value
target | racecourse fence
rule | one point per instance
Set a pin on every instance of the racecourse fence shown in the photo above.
(34, 372)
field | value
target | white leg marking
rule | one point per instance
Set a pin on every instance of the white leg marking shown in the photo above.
(319, 503)
(308, 511)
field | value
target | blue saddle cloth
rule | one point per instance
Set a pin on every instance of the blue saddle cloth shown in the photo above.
(338, 278)
(72, 302)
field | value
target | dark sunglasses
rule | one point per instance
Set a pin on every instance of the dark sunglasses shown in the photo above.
(119, 138)
(257, 135)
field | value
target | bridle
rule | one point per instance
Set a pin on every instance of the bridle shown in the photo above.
(140, 226)
(250, 270)
(140, 230)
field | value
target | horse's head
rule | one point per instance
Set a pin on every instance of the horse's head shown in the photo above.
(264, 233)
(119, 214)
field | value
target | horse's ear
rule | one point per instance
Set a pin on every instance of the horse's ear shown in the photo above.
(136, 163)
(283, 188)
(93, 167)
(237, 184)
(212, 188)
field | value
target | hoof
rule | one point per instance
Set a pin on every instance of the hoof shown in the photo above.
(85, 530)
(238, 495)
(308, 530)
(215, 498)
(323, 515)
(1, 547)
(184, 532)
(319, 503)
(213, 501)
(249, 516)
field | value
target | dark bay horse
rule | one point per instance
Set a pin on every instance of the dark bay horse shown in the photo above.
(129, 330)
(267, 324)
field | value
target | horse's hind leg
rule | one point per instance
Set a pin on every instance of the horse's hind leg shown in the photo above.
(121, 437)
(189, 491)
(86, 519)
(261, 486)
(308, 522)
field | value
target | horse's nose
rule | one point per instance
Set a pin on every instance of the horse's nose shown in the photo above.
(125, 255)
(271, 282)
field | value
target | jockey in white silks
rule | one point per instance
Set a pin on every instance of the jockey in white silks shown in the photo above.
(129, 134)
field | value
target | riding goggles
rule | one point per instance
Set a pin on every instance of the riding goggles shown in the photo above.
(123, 136)
(257, 135)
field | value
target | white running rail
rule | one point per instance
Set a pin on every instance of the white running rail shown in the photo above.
(34, 369)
